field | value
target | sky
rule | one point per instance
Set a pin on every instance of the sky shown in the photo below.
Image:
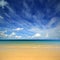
(29, 19)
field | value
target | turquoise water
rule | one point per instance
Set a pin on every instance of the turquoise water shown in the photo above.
(30, 41)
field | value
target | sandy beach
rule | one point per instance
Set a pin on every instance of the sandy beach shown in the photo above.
(29, 52)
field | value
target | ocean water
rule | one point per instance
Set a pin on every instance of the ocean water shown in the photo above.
(28, 41)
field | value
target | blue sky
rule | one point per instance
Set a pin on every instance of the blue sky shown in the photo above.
(29, 19)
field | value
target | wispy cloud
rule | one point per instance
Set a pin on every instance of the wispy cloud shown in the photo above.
(1, 17)
(54, 20)
(51, 33)
(58, 7)
(39, 19)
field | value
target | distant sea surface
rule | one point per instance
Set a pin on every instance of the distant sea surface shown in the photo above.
(28, 41)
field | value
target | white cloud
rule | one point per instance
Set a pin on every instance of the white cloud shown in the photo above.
(3, 3)
(18, 37)
(51, 33)
(18, 29)
(37, 35)
(13, 35)
(9, 36)
(2, 34)
(14, 29)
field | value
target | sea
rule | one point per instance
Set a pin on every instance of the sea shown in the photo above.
(30, 41)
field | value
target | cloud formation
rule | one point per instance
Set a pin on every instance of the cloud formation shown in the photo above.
(3, 3)
(30, 19)
(9, 36)
(37, 35)
(18, 29)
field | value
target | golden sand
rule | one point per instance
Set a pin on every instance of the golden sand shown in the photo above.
(29, 52)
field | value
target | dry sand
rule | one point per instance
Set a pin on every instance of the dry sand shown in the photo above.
(29, 52)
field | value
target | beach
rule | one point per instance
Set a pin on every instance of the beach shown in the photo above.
(29, 52)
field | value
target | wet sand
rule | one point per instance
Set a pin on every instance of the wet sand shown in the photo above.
(29, 52)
